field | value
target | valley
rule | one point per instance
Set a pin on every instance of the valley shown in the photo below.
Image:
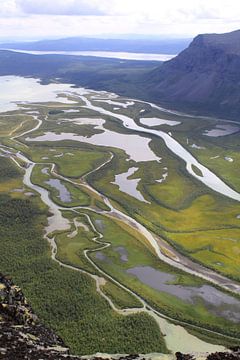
(125, 219)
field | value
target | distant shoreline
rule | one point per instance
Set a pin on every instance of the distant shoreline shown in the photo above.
(103, 54)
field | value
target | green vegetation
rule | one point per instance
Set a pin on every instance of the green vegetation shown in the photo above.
(76, 196)
(139, 255)
(218, 249)
(121, 298)
(198, 222)
(70, 251)
(74, 162)
(72, 244)
(196, 170)
(8, 171)
(220, 154)
(18, 124)
(65, 300)
(181, 209)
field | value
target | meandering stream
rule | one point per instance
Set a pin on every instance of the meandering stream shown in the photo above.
(208, 177)
(176, 337)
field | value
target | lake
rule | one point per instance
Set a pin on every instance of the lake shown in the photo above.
(104, 54)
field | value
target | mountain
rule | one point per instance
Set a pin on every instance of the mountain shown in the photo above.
(204, 78)
(120, 76)
(158, 46)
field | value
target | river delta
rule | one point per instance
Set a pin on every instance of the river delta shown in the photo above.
(132, 205)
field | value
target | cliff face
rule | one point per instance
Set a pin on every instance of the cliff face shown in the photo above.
(205, 77)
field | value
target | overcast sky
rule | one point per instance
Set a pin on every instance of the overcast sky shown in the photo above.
(31, 19)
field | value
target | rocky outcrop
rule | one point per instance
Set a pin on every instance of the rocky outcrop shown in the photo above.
(23, 337)
(234, 354)
(205, 77)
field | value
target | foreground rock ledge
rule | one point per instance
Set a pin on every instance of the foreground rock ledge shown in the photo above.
(23, 337)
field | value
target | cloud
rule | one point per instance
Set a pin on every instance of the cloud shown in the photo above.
(9, 8)
(175, 10)
(61, 7)
(161, 10)
(62, 18)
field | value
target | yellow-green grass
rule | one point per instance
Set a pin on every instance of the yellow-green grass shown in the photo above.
(10, 185)
(71, 252)
(15, 124)
(137, 247)
(227, 170)
(121, 298)
(8, 124)
(207, 211)
(210, 218)
(213, 153)
(70, 249)
(176, 191)
(26, 125)
(178, 205)
(74, 163)
(66, 300)
(139, 255)
(218, 249)
(78, 196)
(63, 299)
(14, 144)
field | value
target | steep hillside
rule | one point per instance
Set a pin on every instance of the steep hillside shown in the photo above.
(22, 336)
(205, 77)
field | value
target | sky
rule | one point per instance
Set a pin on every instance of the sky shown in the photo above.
(40, 19)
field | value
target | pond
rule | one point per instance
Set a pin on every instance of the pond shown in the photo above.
(122, 252)
(156, 121)
(129, 186)
(222, 130)
(217, 302)
(64, 194)
(137, 147)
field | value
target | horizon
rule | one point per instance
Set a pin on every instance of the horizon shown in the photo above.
(127, 37)
(115, 19)
(119, 179)
(140, 37)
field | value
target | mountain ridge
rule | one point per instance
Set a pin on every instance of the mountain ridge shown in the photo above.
(159, 46)
(204, 79)
(205, 76)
